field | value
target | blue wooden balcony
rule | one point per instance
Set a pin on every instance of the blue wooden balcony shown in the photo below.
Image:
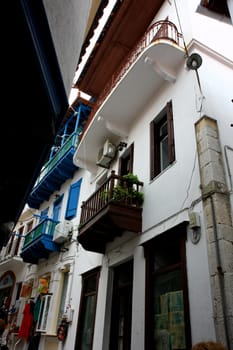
(60, 166)
(56, 171)
(38, 243)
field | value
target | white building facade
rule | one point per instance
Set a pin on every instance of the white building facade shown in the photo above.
(159, 274)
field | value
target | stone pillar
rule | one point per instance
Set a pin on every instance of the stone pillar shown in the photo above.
(219, 230)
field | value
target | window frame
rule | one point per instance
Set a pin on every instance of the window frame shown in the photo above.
(65, 282)
(217, 6)
(166, 115)
(95, 273)
(44, 313)
(222, 13)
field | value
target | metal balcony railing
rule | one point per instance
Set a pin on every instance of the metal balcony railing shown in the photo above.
(71, 141)
(161, 30)
(45, 227)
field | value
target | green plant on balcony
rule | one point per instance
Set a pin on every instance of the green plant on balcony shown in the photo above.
(130, 178)
(125, 191)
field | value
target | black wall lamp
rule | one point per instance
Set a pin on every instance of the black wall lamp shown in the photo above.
(194, 61)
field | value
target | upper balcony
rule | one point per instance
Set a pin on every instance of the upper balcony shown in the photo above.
(60, 166)
(114, 208)
(38, 243)
(155, 59)
(9, 254)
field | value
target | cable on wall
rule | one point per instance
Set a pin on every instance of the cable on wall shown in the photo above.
(194, 60)
(178, 17)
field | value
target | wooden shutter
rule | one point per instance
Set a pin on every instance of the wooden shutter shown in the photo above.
(73, 199)
(170, 131)
(152, 150)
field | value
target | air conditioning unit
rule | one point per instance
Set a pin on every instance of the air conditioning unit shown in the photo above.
(62, 231)
(106, 154)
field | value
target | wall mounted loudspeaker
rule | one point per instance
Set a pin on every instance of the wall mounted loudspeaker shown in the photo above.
(194, 61)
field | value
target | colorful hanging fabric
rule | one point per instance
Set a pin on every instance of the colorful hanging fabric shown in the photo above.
(27, 321)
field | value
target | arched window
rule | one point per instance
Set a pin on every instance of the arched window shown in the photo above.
(7, 282)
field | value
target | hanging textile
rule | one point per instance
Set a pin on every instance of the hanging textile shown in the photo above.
(36, 309)
(27, 321)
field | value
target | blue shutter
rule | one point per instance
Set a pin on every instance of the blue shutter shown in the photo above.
(73, 199)
(57, 208)
(44, 214)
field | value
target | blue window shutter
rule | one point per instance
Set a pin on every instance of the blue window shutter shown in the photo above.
(73, 200)
(57, 208)
(44, 214)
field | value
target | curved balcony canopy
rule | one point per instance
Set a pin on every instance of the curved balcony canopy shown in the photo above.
(156, 59)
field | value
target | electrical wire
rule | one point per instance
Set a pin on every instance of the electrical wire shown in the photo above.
(178, 17)
(187, 53)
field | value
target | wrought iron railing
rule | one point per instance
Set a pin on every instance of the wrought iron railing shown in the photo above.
(70, 142)
(161, 30)
(115, 188)
(45, 227)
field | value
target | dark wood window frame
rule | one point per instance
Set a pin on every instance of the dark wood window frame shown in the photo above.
(217, 6)
(165, 116)
(93, 274)
(126, 157)
(178, 234)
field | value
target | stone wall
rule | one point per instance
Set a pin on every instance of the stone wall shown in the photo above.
(219, 230)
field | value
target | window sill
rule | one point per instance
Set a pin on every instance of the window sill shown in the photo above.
(162, 172)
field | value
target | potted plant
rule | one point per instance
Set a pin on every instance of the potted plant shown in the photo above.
(125, 191)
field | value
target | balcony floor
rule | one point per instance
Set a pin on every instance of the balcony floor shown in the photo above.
(38, 249)
(108, 224)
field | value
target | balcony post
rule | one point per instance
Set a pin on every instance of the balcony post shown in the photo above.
(112, 183)
(83, 213)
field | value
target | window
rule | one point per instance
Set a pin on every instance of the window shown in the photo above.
(218, 6)
(7, 282)
(57, 208)
(43, 313)
(44, 214)
(63, 297)
(18, 241)
(221, 10)
(10, 243)
(162, 141)
(86, 320)
(167, 310)
(73, 200)
(29, 226)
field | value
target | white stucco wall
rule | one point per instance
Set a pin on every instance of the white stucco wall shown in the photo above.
(67, 20)
(168, 198)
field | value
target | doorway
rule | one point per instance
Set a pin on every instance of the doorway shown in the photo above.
(121, 317)
(126, 161)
